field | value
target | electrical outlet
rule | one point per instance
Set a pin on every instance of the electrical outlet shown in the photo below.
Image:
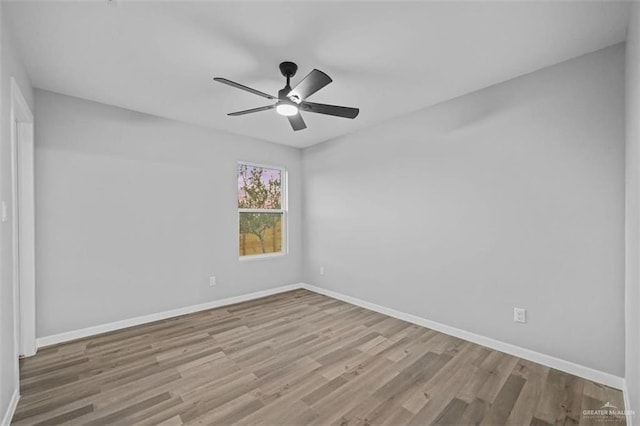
(519, 315)
(212, 281)
(322, 270)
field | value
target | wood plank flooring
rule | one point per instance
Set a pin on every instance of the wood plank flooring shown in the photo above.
(297, 358)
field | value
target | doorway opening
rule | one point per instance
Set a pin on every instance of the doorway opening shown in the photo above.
(23, 225)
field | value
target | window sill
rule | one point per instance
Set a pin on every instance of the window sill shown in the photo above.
(261, 256)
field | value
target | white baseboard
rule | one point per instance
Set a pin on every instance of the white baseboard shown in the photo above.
(11, 409)
(520, 352)
(112, 326)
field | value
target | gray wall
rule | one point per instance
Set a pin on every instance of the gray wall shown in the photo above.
(512, 196)
(632, 296)
(135, 212)
(10, 66)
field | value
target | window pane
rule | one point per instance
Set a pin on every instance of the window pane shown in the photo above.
(259, 187)
(260, 233)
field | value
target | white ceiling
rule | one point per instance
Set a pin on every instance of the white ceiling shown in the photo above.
(387, 58)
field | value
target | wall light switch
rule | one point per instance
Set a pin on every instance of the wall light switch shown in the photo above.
(519, 315)
(322, 270)
(212, 281)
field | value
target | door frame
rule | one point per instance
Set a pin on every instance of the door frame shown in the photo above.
(23, 225)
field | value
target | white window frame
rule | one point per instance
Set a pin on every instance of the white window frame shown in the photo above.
(284, 185)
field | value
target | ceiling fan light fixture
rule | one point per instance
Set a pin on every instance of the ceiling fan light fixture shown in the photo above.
(286, 109)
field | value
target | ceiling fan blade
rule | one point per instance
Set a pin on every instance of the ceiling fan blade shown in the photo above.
(243, 87)
(338, 111)
(297, 122)
(249, 111)
(309, 85)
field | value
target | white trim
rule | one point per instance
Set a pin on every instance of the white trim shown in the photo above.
(263, 256)
(11, 409)
(627, 404)
(26, 229)
(104, 328)
(520, 352)
(23, 112)
(23, 223)
(272, 211)
(264, 166)
(547, 360)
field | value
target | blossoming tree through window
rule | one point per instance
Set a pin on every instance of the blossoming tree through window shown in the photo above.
(261, 209)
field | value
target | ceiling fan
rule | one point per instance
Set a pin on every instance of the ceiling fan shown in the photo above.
(290, 102)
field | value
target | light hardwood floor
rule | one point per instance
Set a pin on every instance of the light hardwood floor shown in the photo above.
(297, 358)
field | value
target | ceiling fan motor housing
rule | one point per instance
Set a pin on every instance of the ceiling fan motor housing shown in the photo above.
(288, 69)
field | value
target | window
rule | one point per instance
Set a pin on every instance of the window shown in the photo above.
(261, 210)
